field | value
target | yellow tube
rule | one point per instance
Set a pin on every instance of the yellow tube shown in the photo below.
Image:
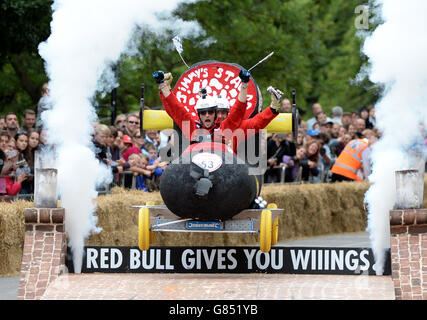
(160, 120)
(156, 120)
(281, 124)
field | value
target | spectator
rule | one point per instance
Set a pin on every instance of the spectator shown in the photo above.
(342, 131)
(115, 143)
(33, 146)
(341, 143)
(277, 146)
(139, 167)
(120, 121)
(12, 124)
(99, 141)
(360, 126)
(363, 113)
(9, 187)
(371, 122)
(346, 118)
(4, 140)
(27, 186)
(131, 124)
(7, 184)
(326, 156)
(335, 130)
(3, 125)
(293, 164)
(316, 127)
(316, 108)
(43, 105)
(310, 164)
(128, 148)
(139, 140)
(349, 162)
(322, 118)
(111, 137)
(354, 117)
(155, 165)
(43, 144)
(337, 113)
(303, 125)
(153, 136)
(10, 155)
(300, 139)
(286, 106)
(326, 128)
(311, 135)
(351, 130)
(28, 120)
(21, 144)
(2, 160)
(366, 154)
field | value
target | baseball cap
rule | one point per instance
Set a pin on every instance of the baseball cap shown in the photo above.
(313, 133)
(127, 139)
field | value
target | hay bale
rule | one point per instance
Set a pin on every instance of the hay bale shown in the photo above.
(318, 209)
(12, 231)
(309, 210)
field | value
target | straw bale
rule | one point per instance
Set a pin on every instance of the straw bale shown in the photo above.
(309, 210)
(12, 230)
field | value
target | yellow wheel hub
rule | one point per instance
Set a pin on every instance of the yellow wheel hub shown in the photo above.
(144, 228)
(265, 231)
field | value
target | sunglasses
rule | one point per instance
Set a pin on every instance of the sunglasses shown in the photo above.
(133, 122)
(207, 111)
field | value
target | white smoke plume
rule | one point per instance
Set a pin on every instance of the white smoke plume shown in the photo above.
(87, 37)
(397, 52)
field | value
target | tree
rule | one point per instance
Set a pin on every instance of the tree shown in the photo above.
(316, 51)
(23, 25)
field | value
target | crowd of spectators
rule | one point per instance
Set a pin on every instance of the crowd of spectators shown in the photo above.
(134, 155)
(126, 149)
(18, 145)
(320, 141)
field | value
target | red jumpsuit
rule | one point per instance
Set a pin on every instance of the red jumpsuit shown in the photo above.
(178, 113)
(256, 123)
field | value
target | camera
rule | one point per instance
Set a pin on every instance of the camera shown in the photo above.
(23, 167)
(12, 153)
(20, 170)
(21, 163)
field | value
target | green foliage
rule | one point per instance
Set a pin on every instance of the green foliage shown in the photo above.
(23, 25)
(316, 51)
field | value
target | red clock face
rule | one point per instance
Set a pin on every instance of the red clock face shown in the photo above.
(219, 78)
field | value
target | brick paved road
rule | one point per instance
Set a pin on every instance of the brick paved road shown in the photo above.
(219, 286)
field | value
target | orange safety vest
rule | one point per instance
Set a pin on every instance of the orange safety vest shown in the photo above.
(350, 159)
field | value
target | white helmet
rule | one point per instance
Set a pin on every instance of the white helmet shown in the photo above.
(205, 102)
(222, 103)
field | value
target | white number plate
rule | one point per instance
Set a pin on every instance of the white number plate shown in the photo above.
(206, 160)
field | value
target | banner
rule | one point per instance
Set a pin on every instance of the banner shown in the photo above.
(291, 260)
(219, 78)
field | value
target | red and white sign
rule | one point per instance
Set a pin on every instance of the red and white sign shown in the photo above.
(219, 78)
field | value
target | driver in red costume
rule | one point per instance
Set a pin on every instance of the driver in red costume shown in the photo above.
(208, 123)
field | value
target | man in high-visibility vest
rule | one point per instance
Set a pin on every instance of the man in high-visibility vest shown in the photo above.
(349, 161)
